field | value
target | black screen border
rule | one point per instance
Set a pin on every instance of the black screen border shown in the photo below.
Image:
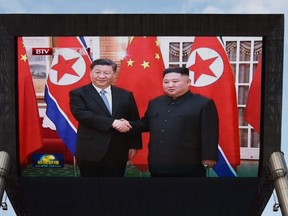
(268, 26)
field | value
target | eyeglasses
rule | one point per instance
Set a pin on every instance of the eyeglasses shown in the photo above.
(105, 73)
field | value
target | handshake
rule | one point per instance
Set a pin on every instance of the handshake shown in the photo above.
(121, 125)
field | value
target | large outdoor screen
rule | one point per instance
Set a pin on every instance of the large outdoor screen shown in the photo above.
(246, 50)
(226, 69)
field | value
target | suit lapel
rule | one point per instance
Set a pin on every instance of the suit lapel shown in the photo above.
(115, 100)
(94, 95)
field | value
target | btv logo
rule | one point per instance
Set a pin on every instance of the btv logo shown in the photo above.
(42, 51)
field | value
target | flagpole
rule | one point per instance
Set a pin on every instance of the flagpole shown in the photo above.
(74, 166)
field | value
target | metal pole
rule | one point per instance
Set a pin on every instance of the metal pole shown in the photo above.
(5, 169)
(278, 174)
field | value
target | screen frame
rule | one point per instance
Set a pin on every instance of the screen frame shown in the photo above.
(268, 26)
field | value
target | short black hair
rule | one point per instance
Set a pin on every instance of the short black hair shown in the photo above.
(104, 61)
(180, 70)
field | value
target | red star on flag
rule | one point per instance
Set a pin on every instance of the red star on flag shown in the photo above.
(222, 91)
(65, 67)
(202, 66)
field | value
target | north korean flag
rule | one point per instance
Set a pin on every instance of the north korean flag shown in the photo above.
(212, 76)
(69, 70)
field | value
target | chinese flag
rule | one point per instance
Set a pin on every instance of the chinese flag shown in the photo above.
(253, 106)
(212, 76)
(141, 72)
(30, 137)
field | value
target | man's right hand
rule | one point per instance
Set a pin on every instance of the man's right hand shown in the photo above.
(122, 125)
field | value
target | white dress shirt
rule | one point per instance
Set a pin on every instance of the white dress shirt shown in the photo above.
(108, 94)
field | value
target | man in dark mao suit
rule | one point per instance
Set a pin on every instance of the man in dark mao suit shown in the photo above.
(101, 149)
(183, 127)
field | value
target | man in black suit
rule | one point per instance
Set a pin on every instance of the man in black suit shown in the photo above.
(98, 108)
(183, 127)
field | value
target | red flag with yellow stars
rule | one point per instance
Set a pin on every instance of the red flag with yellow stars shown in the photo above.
(30, 137)
(141, 72)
